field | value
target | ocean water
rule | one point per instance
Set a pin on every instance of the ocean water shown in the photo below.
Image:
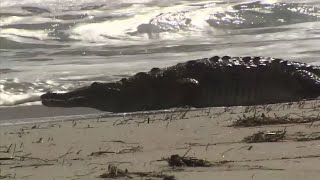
(59, 45)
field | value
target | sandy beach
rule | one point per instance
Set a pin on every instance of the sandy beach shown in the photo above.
(230, 52)
(209, 143)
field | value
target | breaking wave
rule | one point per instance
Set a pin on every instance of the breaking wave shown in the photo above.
(135, 22)
(14, 92)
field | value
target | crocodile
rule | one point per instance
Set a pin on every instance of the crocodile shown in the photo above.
(206, 82)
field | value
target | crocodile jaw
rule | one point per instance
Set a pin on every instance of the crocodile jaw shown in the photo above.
(62, 100)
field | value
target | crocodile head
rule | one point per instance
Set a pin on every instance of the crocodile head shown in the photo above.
(95, 96)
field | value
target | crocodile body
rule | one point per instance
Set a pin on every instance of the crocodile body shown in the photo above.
(215, 81)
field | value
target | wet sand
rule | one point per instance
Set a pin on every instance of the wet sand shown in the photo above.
(39, 111)
(143, 143)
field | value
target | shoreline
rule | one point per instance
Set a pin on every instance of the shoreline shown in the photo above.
(26, 114)
(104, 147)
(42, 114)
(38, 113)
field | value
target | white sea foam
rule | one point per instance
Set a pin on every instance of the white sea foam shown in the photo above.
(109, 30)
(15, 92)
(60, 5)
(38, 34)
(12, 20)
(7, 99)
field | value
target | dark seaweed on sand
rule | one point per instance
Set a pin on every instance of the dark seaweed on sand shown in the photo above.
(114, 172)
(266, 136)
(259, 120)
(178, 161)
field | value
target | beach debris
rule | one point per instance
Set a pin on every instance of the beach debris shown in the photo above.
(32, 165)
(7, 148)
(223, 153)
(74, 123)
(123, 151)
(169, 178)
(178, 161)
(28, 157)
(311, 156)
(130, 150)
(39, 141)
(7, 176)
(54, 125)
(306, 137)
(266, 136)
(35, 126)
(262, 119)
(122, 142)
(88, 126)
(65, 154)
(78, 152)
(115, 172)
(154, 175)
(6, 158)
(178, 113)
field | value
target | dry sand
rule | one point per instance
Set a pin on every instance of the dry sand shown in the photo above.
(84, 149)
